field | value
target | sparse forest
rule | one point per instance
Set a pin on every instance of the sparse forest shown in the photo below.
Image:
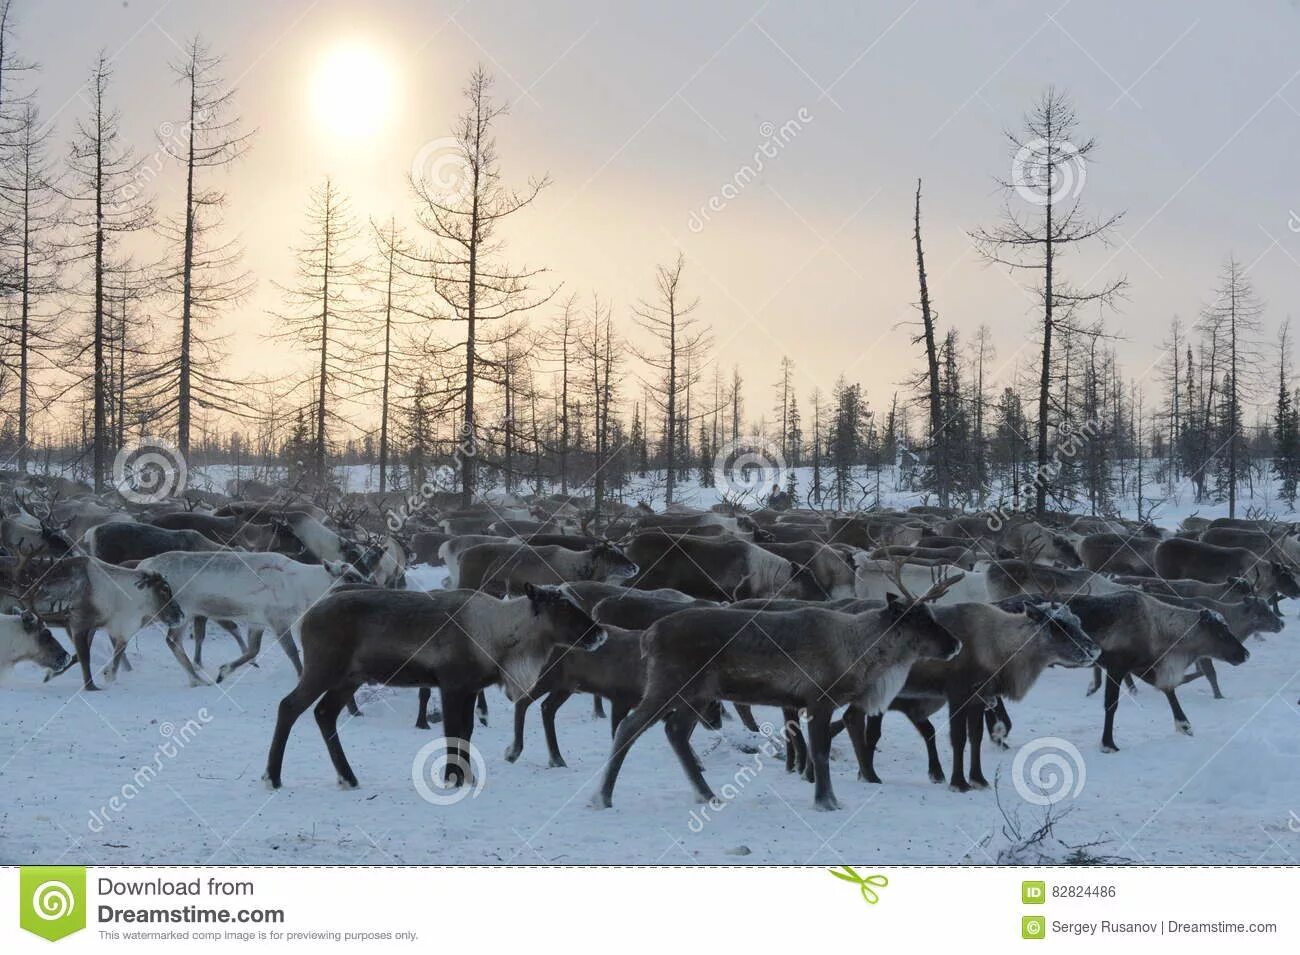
(426, 346)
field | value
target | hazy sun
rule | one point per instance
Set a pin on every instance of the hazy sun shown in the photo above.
(352, 90)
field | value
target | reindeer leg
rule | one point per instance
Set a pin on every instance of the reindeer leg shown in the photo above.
(637, 722)
(928, 734)
(819, 751)
(1206, 667)
(746, 714)
(422, 718)
(175, 645)
(999, 723)
(482, 708)
(81, 643)
(597, 707)
(1114, 676)
(618, 711)
(1095, 685)
(796, 749)
(957, 736)
(1181, 723)
(975, 736)
(456, 705)
(109, 672)
(285, 638)
(327, 718)
(521, 712)
(200, 631)
(291, 707)
(232, 628)
(677, 727)
(550, 706)
(855, 724)
(254, 648)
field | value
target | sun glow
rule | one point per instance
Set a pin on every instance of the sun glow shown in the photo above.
(353, 90)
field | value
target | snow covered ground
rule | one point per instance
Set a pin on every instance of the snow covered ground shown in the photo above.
(152, 771)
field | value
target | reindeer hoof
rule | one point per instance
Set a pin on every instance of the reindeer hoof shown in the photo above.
(91, 688)
(223, 672)
(1001, 744)
(826, 804)
(1184, 727)
(347, 783)
(938, 778)
(558, 762)
(1109, 748)
(601, 801)
(979, 784)
(959, 787)
(270, 783)
(873, 778)
(512, 753)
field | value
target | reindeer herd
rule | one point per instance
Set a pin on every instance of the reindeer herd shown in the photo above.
(834, 619)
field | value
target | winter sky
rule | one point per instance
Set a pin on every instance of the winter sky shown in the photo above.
(642, 112)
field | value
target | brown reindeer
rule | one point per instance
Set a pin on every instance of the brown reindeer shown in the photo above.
(809, 659)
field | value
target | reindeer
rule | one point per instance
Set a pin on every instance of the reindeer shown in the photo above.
(1178, 557)
(1005, 648)
(119, 600)
(810, 658)
(460, 641)
(505, 567)
(262, 591)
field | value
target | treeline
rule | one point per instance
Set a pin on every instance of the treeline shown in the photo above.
(427, 354)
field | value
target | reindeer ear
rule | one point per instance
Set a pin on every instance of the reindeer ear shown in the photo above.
(894, 603)
(531, 593)
(31, 622)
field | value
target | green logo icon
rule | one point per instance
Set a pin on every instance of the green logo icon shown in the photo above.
(868, 884)
(1033, 926)
(52, 900)
(1033, 893)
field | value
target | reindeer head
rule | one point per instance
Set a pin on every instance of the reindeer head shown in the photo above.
(1223, 643)
(39, 646)
(1064, 551)
(1062, 634)
(1260, 616)
(165, 608)
(345, 572)
(562, 614)
(1284, 581)
(611, 562)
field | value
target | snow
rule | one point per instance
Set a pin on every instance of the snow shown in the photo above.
(76, 791)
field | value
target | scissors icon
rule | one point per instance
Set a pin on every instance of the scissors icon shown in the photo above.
(865, 884)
